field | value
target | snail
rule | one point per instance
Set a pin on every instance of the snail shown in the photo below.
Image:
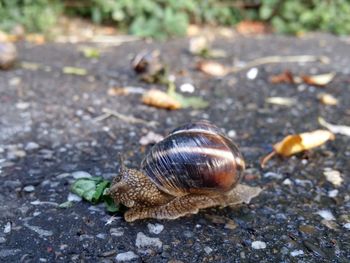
(196, 166)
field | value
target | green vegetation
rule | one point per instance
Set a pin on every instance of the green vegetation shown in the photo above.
(34, 15)
(164, 18)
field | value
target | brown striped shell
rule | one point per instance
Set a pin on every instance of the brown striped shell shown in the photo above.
(194, 158)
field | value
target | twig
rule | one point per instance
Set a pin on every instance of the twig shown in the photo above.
(281, 59)
(267, 158)
(102, 117)
(114, 40)
(126, 118)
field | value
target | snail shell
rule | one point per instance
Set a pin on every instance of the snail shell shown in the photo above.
(194, 158)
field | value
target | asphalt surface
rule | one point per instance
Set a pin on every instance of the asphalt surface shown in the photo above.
(48, 133)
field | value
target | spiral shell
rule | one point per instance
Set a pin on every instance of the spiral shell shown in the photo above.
(194, 158)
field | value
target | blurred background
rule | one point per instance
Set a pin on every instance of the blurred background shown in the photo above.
(161, 19)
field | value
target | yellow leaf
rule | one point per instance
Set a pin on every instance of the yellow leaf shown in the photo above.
(212, 68)
(319, 80)
(293, 144)
(327, 99)
(160, 99)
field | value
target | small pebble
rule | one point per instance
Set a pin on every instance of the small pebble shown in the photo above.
(36, 213)
(208, 250)
(252, 73)
(22, 105)
(101, 236)
(187, 87)
(7, 228)
(296, 253)
(304, 183)
(29, 188)
(150, 137)
(2, 240)
(116, 232)
(155, 228)
(126, 256)
(326, 214)
(73, 198)
(333, 193)
(347, 226)
(188, 234)
(273, 175)
(32, 146)
(81, 174)
(15, 81)
(333, 176)
(232, 133)
(258, 245)
(143, 241)
(287, 182)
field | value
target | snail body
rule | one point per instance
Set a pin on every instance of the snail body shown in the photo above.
(196, 166)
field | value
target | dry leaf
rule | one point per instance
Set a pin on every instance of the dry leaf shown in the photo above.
(198, 45)
(117, 91)
(340, 129)
(318, 80)
(333, 176)
(35, 38)
(327, 99)
(252, 27)
(293, 144)
(284, 77)
(8, 55)
(281, 101)
(212, 68)
(160, 99)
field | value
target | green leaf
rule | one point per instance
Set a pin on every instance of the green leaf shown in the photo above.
(186, 102)
(99, 191)
(74, 71)
(110, 205)
(91, 189)
(90, 52)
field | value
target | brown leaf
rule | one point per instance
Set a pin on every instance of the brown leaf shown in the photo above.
(327, 99)
(318, 80)
(36, 39)
(212, 68)
(8, 55)
(293, 144)
(284, 77)
(252, 27)
(117, 91)
(160, 99)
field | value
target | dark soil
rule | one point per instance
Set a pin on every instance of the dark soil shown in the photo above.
(47, 131)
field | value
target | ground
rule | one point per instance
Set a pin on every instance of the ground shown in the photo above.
(48, 131)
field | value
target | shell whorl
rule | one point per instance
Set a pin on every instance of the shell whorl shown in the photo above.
(194, 158)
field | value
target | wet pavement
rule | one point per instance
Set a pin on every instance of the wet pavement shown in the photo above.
(49, 136)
